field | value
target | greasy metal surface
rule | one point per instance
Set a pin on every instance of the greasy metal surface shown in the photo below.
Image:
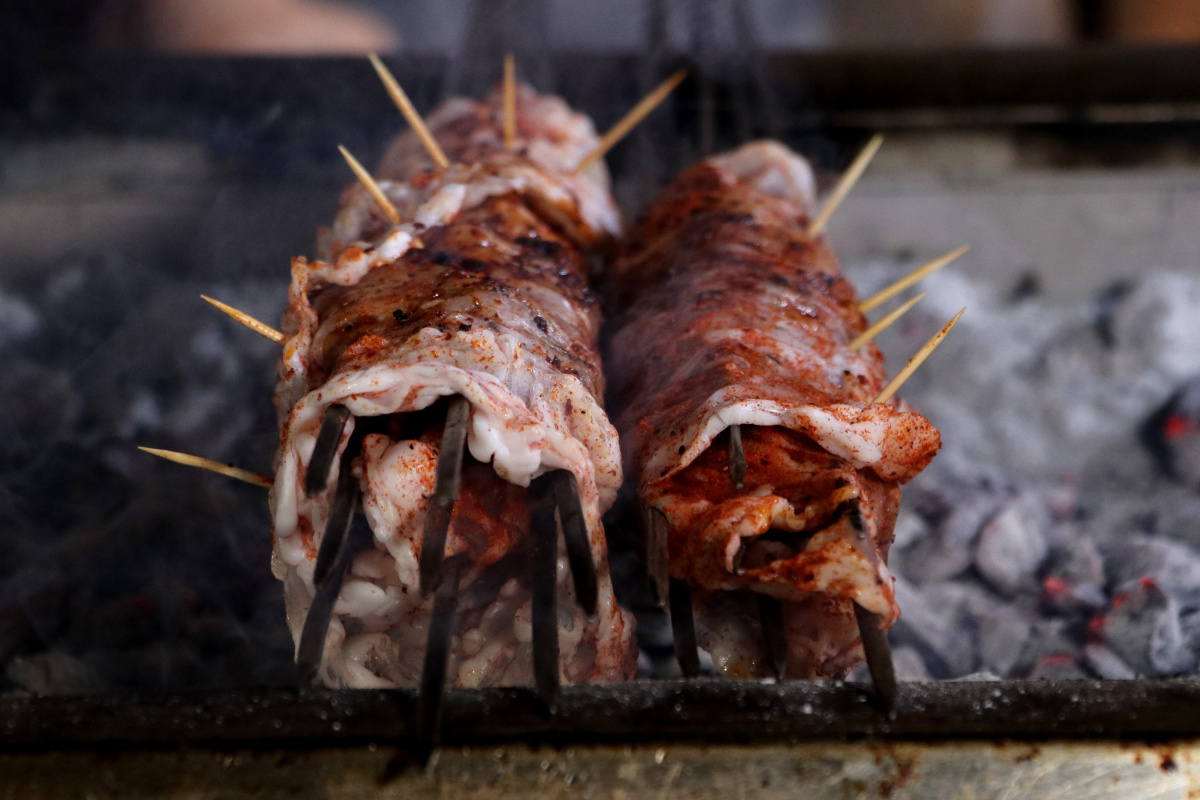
(965, 770)
(695, 710)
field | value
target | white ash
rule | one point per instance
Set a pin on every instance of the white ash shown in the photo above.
(1048, 500)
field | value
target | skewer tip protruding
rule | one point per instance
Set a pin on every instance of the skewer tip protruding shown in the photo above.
(409, 111)
(879, 656)
(630, 120)
(683, 628)
(373, 188)
(250, 322)
(188, 460)
(851, 176)
(510, 102)
(916, 361)
(920, 273)
(884, 323)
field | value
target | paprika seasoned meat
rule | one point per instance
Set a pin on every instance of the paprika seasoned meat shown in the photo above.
(478, 292)
(733, 321)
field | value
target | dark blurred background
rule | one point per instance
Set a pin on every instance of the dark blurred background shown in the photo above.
(63, 27)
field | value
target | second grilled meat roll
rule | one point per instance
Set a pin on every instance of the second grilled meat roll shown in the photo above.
(730, 314)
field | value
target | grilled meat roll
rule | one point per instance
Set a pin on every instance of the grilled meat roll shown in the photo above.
(730, 314)
(479, 292)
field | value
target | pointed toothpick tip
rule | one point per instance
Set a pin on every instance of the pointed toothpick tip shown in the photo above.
(883, 324)
(373, 188)
(247, 320)
(915, 362)
(851, 176)
(918, 274)
(409, 111)
(630, 120)
(510, 102)
(188, 460)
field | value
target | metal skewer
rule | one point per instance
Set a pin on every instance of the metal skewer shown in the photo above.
(544, 582)
(445, 493)
(737, 457)
(879, 656)
(874, 636)
(575, 537)
(770, 616)
(437, 658)
(657, 529)
(340, 544)
(341, 512)
(316, 624)
(316, 478)
(683, 628)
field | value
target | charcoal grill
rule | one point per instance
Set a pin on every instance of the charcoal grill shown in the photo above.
(271, 127)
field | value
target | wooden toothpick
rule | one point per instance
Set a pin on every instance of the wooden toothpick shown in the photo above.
(510, 102)
(373, 188)
(908, 280)
(915, 362)
(247, 320)
(410, 113)
(627, 123)
(212, 466)
(857, 168)
(873, 331)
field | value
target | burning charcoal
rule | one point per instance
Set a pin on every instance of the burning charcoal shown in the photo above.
(1179, 518)
(1047, 637)
(910, 529)
(1075, 559)
(1154, 327)
(1062, 597)
(946, 550)
(1106, 663)
(1174, 568)
(53, 673)
(1143, 629)
(1059, 667)
(1003, 635)
(946, 646)
(1011, 549)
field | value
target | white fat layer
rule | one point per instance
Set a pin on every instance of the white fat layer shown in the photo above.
(774, 169)
(860, 442)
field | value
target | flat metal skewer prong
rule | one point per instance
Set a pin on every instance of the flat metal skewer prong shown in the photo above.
(316, 477)
(737, 457)
(683, 628)
(445, 493)
(336, 554)
(575, 537)
(657, 529)
(543, 581)
(879, 656)
(437, 659)
(770, 616)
